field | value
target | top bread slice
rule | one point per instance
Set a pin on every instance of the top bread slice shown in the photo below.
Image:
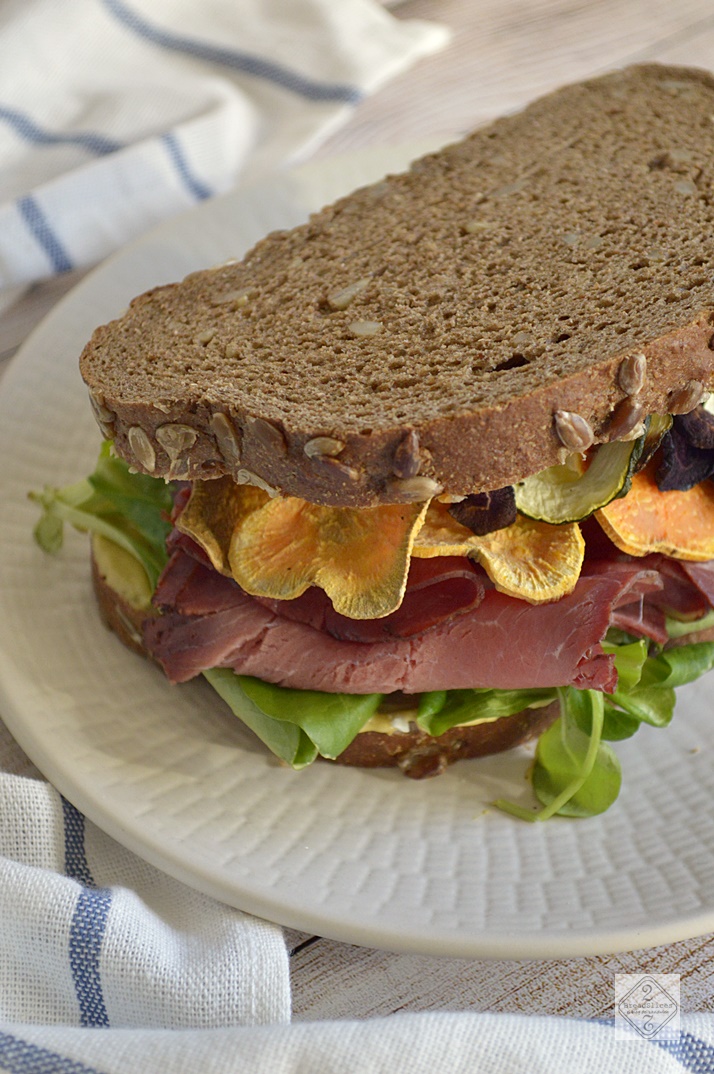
(546, 281)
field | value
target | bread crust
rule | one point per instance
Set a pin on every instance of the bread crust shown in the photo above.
(689, 639)
(511, 276)
(417, 754)
(122, 618)
(421, 756)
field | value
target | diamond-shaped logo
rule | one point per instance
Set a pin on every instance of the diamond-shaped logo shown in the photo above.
(648, 1006)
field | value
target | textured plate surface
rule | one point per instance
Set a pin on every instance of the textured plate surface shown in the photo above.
(367, 857)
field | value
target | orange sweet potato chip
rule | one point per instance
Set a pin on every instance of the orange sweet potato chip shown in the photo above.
(533, 561)
(678, 524)
(279, 547)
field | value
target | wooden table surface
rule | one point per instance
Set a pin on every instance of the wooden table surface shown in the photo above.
(502, 54)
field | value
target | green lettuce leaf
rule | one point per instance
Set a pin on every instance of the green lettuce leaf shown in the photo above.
(675, 667)
(650, 698)
(618, 725)
(630, 658)
(647, 704)
(476, 706)
(130, 509)
(286, 740)
(292, 719)
(575, 773)
(679, 628)
(431, 702)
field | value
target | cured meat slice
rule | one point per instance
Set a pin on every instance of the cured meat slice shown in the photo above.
(503, 643)
(437, 589)
(193, 588)
(641, 619)
(702, 574)
(686, 591)
(682, 594)
(638, 610)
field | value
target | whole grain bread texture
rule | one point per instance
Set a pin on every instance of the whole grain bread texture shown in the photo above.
(416, 753)
(542, 284)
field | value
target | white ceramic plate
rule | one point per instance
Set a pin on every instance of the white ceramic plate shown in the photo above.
(363, 856)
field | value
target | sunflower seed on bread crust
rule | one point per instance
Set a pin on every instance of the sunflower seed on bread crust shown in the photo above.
(632, 372)
(574, 431)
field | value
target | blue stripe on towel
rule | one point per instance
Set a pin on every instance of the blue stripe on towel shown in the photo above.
(39, 225)
(75, 857)
(695, 1055)
(18, 1056)
(239, 61)
(692, 1053)
(89, 922)
(197, 188)
(26, 127)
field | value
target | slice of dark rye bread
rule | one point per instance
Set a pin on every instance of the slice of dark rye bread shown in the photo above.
(418, 754)
(423, 333)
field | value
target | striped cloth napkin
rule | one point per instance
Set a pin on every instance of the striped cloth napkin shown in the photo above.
(460, 1043)
(93, 936)
(115, 114)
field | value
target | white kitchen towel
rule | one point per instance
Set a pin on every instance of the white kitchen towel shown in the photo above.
(91, 936)
(431, 1043)
(114, 114)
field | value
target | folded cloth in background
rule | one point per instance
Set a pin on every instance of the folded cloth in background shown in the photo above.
(114, 114)
(92, 936)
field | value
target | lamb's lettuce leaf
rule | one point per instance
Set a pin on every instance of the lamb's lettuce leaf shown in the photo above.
(651, 698)
(616, 724)
(645, 704)
(576, 775)
(575, 772)
(630, 657)
(675, 667)
(457, 707)
(130, 509)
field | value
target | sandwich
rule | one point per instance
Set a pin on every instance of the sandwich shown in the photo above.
(429, 476)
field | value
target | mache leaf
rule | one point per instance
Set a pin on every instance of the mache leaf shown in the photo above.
(575, 774)
(130, 509)
(478, 706)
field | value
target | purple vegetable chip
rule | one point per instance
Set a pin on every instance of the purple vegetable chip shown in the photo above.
(683, 465)
(484, 512)
(697, 427)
